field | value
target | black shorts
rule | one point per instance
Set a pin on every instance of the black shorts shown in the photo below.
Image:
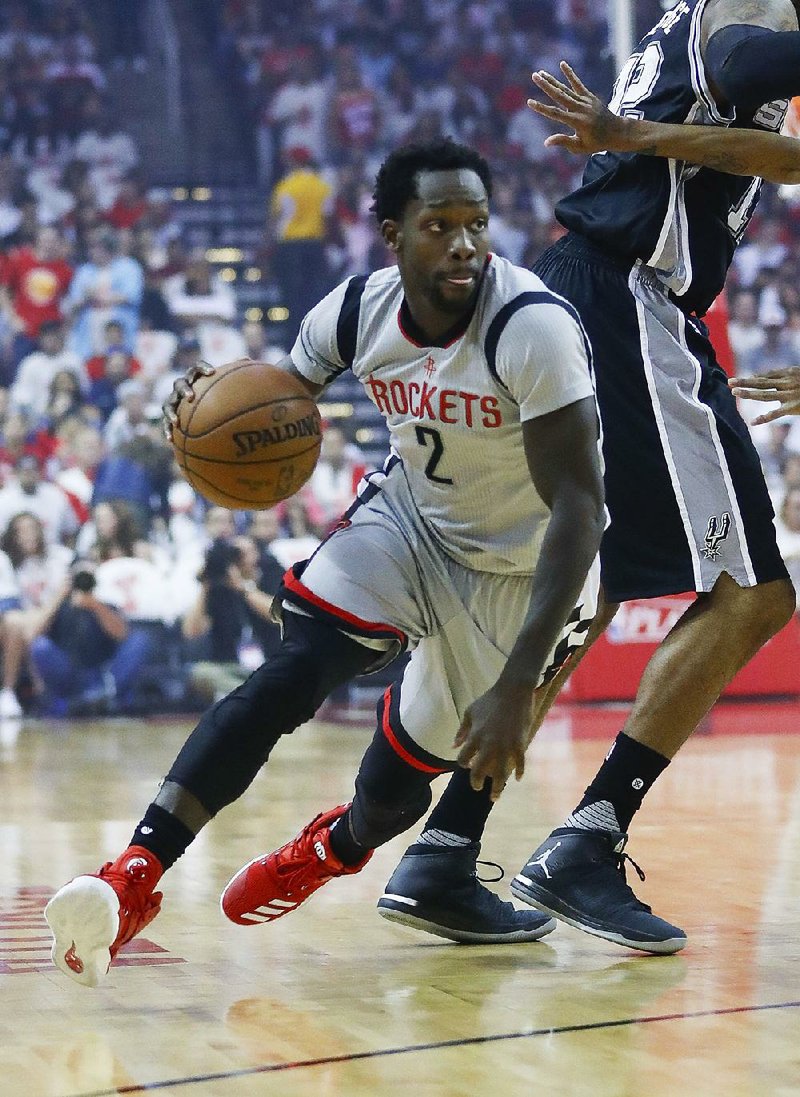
(684, 486)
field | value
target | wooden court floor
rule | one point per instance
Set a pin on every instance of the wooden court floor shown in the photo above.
(334, 1002)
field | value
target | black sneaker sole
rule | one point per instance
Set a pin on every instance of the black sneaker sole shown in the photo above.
(542, 899)
(400, 910)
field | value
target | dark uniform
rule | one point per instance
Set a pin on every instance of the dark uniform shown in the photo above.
(649, 245)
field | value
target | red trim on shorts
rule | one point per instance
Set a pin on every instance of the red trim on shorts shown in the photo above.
(395, 744)
(293, 584)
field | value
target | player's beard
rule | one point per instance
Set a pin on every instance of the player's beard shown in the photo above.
(454, 306)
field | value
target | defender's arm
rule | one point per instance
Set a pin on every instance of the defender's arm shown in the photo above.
(597, 129)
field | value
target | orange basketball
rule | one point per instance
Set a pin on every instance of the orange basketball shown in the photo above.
(250, 437)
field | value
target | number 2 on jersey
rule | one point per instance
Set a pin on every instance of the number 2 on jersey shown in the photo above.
(423, 434)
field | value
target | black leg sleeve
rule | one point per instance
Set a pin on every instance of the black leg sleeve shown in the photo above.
(390, 795)
(234, 738)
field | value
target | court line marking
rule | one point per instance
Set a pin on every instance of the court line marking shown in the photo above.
(354, 1057)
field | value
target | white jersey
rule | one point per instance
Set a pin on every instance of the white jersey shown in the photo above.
(454, 410)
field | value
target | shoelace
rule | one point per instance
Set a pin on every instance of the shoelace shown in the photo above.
(621, 858)
(489, 879)
(300, 858)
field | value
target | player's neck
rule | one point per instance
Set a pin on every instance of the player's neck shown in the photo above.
(429, 326)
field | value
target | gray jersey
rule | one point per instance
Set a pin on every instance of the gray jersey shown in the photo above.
(454, 411)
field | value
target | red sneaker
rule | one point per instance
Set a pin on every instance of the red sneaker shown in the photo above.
(92, 916)
(277, 883)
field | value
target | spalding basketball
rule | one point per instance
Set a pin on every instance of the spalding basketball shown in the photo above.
(250, 437)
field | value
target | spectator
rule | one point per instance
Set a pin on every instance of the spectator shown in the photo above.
(130, 208)
(300, 537)
(118, 367)
(129, 418)
(85, 654)
(29, 493)
(230, 609)
(777, 349)
(199, 294)
(744, 331)
(30, 391)
(80, 461)
(107, 287)
(34, 281)
(109, 153)
(355, 117)
(300, 205)
(265, 528)
(10, 708)
(187, 355)
(65, 403)
(111, 531)
(298, 112)
(20, 440)
(257, 345)
(39, 571)
(72, 81)
(333, 482)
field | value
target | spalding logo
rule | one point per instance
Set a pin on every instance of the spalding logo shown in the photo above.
(248, 441)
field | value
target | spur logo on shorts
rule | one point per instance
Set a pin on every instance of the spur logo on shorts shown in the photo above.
(717, 530)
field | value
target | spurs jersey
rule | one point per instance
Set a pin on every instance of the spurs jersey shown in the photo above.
(454, 411)
(683, 220)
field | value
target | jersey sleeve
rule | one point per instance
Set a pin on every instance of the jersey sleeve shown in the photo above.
(319, 352)
(541, 354)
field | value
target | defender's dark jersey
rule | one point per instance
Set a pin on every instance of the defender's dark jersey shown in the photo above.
(683, 220)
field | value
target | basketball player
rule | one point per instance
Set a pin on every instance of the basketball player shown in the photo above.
(475, 547)
(648, 246)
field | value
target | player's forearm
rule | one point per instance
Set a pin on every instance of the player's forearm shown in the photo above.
(569, 547)
(735, 151)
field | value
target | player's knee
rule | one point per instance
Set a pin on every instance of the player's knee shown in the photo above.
(378, 815)
(764, 608)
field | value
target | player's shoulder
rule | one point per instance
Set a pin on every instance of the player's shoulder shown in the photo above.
(778, 15)
(514, 292)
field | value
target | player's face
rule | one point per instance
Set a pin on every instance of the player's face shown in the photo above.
(443, 240)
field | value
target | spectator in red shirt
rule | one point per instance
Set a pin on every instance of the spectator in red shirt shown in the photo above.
(97, 365)
(355, 113)
(130, 206)
(33, 282)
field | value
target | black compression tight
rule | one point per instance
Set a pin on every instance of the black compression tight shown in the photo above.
(234, 738)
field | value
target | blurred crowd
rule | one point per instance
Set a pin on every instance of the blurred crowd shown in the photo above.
(120, 588)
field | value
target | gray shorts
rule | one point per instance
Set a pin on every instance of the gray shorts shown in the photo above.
(384, 580)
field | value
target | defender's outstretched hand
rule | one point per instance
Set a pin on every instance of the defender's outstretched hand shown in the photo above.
(182, 390)
(595, 128)
(782, 385)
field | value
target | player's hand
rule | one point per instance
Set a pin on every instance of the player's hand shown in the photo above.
(493, 736)
(595, 128)
(182, 390)
(782, 385)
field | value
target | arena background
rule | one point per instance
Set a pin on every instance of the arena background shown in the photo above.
(147, 151)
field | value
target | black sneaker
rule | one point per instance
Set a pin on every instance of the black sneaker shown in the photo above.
(437, 890)
(578, 876)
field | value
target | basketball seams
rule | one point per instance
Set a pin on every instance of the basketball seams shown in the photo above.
(246, 411)
(246, 464)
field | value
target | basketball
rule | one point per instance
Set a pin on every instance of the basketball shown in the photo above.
(250, 437)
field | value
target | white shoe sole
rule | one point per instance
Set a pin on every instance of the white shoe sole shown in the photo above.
(84, 919)
(665, 947)
(461, 936)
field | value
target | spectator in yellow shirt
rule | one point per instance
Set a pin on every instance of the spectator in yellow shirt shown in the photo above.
(300, 206)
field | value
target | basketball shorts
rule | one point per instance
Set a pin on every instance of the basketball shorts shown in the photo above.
(383, 579)
(685, 492)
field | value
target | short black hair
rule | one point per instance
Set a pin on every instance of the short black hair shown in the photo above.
(396, 182)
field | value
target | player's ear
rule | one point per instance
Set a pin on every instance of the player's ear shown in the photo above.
(392, 234)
